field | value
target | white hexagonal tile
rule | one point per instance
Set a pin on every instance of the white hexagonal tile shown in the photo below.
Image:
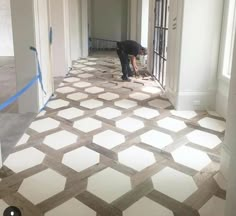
(126, 104)
(24, 159)
(23, 140)
(65, 90)
(42, 186)
(204, 139)
(191, 157)
(89, 69)
(87, 125)
(156, 139)
(82, 84)
(76, 72)
(85, 75)
(77, 96)
(44, 125)
(72, 206)
(144, 205)
(184, 114)
(78, 66)
(60, 139)
(71, 113)
(109, 139)
(172, 124)
(94, 90)
(146, 113)
(174, 184)
(109, 96)
(82, 61)
(212, 124)
(92, 59)
(158, 103)
(139, 96)
(129, 124)
(56, 104)
(71, 79)
(136, 158)
(3, 206)
(151, 90)
(90, 63)
(108, 113)
(107, 190)
(91, 104)
(81, 159)
(215, 206)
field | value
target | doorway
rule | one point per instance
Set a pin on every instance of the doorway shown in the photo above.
(160, 40)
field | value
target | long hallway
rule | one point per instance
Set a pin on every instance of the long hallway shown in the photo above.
(104, 147)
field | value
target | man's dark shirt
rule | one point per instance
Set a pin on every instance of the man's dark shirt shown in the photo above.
(131, 47)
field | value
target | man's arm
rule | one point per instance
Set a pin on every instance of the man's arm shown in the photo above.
(134, 64)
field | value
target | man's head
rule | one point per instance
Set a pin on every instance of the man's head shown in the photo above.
(143, 51)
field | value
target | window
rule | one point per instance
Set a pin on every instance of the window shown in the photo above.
(229, 38)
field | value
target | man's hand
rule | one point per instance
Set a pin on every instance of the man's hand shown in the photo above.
(135, 67)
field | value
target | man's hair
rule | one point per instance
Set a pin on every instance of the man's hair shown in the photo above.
(144, 50)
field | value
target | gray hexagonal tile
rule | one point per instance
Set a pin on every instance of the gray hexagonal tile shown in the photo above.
(107, 190)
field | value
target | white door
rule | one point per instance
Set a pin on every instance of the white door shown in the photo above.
(42, 30)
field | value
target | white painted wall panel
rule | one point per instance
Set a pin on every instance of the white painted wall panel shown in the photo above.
(6, 39)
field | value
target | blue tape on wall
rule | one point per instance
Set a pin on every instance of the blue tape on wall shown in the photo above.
(31, 82)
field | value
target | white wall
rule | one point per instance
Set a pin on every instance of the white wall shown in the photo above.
(58, 49)
(6, 40)
(144, 23)
(109, 19)
(198, 62)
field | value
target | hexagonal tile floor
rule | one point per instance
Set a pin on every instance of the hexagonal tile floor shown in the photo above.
(60, 139)
(106, 147)
(174, 184)
(42, 186)
(107, 190)
(81, 159)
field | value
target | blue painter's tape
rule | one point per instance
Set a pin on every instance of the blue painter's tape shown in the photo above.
(18, 94)
(39, 69)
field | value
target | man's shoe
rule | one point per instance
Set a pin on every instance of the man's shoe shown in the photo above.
(125, 79)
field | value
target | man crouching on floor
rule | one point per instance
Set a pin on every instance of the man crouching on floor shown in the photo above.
(124, 49)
